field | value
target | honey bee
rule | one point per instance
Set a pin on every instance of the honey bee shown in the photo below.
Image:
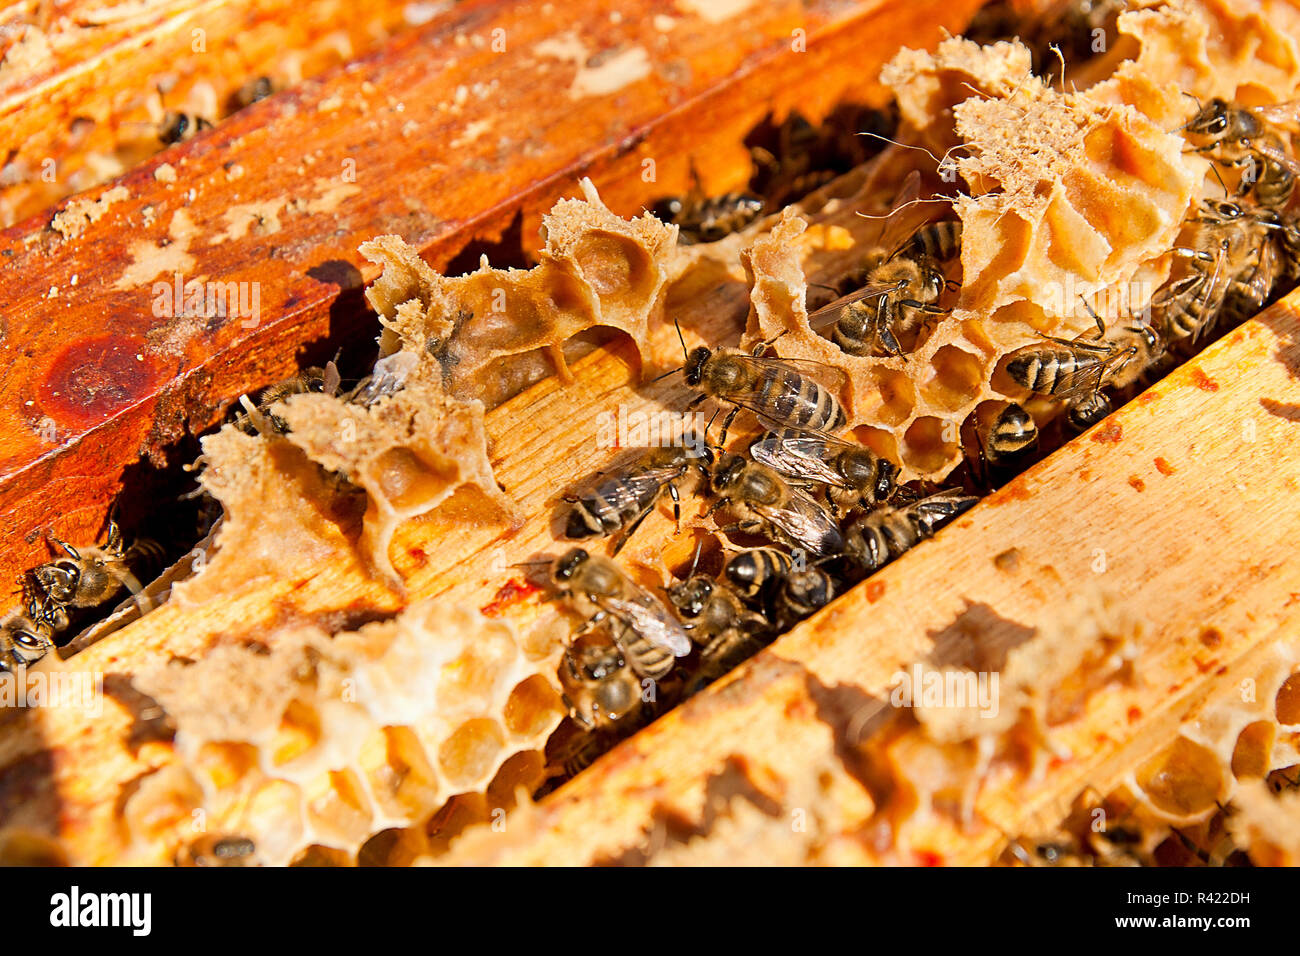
(852, 474)
(88, 577)
(623, 500)
(772, 507)
(755, 570)
(782, 393)
(1047, 853)
(874, 538)
(1074, 370)
(600, 688)
(253, 91)
(258, 418)
(719, 622)
(1242, 137)
(178, 127)
(801, 594)
(644, 630)
(709, 608)
(1232, 268)
(24, 639)
(701, 218)
(217, 849)
(901, 281)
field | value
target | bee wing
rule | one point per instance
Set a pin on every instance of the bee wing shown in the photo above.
(806, 523)
(1284, 115)
(651, 620)
(942, 506)
(1087, 381)
(1280, 156)
(799, 455)
(625, 491)
(907, 215)
(830, 313)
(828, 376)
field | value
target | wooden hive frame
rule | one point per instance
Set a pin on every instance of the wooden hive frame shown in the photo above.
(434, 137)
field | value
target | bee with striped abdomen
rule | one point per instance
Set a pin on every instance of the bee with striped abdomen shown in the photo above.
(874, 538)
(622, 501)
(801, 594)
(770, 506)
(852, 474)
(1010, 433)
(1251, 139)
(708, 219)
(1074, 370)
(756, 570)
(900, 283)
(718, 621)
(1232, 267)
(782, 393)
(644, 630)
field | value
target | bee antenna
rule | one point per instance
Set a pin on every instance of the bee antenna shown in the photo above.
(680, 338)
(903, 145)
(1101, 325)
(671, 371)
(1060, 56)
(527, 564)
(696, 560)
(1215, 169)
(910, 202)
(1199, 110)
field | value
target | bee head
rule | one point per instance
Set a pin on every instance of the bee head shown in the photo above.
(58, 579)
(693, 372)
(727, 472)
(567, 565)
(691, 595)
(811, 588)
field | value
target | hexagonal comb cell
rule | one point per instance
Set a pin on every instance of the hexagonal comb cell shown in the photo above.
(399, 774)
(930, 444)
(1287, 705)
(1252, 754)
(533, 707)
(1184, 779)
(957, 378)
(469, 755)
(894, 398)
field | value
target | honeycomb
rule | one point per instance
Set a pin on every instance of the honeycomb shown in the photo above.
(312, 744)
(594, 269)
(409, 451)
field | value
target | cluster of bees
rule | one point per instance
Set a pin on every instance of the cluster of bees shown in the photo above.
(831, 510)
(1107, 833)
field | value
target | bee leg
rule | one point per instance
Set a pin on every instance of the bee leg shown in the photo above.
(631, 529)
(68, 549)
(726, 424)
(762, 347)
(677, 505)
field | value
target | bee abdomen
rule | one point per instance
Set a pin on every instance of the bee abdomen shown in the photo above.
(749, 571)
(1044, 370)
(647, 658)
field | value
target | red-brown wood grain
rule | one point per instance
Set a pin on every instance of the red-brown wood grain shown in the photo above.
(443, 136)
